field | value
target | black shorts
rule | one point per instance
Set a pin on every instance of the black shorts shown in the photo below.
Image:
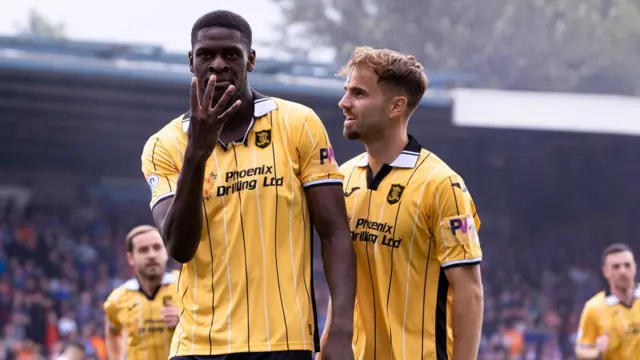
(276, 355)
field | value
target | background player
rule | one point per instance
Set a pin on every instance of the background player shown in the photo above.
(610, 321)
(413, 223)
(142, 308)
(235, 203)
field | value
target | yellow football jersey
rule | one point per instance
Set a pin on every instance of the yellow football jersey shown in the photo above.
(605, 314)
(129, 309)
(250, 286)
(411, 221)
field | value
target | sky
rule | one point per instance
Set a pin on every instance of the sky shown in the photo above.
(142, 21)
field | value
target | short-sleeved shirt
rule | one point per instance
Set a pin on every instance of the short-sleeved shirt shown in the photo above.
(250, 286)
(604, 314)
(409, 222)
(130, 310)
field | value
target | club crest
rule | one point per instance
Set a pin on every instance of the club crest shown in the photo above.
(395, 193)
(263, 138)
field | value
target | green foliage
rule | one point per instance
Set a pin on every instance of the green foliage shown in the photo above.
(558, 45)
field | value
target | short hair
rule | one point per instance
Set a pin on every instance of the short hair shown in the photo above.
(224, 19)
(138, 230)
(398, 70)
(614, 249)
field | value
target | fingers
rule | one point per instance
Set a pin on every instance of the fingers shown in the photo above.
(195, 102)
(222, 103)
(207, 99)
(230, 111)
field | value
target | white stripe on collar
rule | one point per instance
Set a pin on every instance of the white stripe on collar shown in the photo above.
(613, 300)
(134, 284)
(261, 107)
(406, 160)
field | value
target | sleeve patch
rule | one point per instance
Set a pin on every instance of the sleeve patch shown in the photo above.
(459, 230)
(153, 180)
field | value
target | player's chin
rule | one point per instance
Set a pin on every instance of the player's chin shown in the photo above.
(350, 134)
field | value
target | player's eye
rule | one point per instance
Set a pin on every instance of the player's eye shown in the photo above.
(231, 55)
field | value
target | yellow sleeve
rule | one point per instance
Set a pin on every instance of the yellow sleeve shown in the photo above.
(589, 328)
(111, 311)
(455, 224)
(318, 164)
(159, 170)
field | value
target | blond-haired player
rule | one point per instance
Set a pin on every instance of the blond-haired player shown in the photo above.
(610, 322)
(413, 223)
(140, 315)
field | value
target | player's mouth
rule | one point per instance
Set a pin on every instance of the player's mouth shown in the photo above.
(349, 120)
(220, 83)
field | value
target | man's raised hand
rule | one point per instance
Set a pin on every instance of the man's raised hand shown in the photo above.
(207, 119)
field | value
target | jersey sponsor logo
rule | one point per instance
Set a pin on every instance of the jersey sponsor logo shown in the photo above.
(353, 189)
(263, 138)
(464, 225)
(245, 179)
(459, 230)
(153, 180)
(327, 155)
(374, 232)
(395, 193)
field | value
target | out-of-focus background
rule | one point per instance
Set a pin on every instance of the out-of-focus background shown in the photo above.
(535, 103)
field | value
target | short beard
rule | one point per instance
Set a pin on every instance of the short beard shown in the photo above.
(351, 135)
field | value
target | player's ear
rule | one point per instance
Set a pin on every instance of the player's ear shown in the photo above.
(251, 60)
(398, 106)
(190, 54)
(130, 259)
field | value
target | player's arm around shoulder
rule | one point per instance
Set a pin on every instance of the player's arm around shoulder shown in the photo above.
(113, 331)
(591, 340)
(454, 222)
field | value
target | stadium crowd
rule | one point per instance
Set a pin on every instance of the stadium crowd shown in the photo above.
(58, 264)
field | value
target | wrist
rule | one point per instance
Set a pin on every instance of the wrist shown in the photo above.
(195, 155)
(341, 327)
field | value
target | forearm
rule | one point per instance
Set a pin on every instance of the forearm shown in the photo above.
(339, 262)
(327, 325)
(115, 347)
(182, 226)
(467, 312)
(587, 353)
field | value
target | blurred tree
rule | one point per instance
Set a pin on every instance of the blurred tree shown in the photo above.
(37, 24)
(559, 45)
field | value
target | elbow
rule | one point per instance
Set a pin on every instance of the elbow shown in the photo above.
(180, 252)
(180, 255)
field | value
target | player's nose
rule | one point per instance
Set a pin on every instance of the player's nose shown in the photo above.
(218, 65)
(344, 103)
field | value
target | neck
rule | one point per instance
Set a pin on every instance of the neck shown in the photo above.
(149, 285)
(624, 294)
(386, 148)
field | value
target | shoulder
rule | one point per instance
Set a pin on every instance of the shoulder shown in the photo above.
(291, 114)
(175, 128)
(350, 164)
(595, 302)
(433, 171)
(115, 297)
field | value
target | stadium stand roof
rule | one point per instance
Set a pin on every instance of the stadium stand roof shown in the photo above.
(152, 62)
